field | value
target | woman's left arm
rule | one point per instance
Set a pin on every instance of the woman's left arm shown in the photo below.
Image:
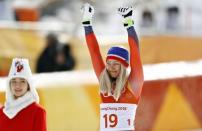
(136, 77)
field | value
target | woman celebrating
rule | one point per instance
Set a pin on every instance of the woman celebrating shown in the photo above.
(119, 91)
(21, 111)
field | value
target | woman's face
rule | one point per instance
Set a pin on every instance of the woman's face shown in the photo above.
(113, 67)
(19, 86)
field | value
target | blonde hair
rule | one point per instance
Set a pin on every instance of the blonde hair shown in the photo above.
(106, 84)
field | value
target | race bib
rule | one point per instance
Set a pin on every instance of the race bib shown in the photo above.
(117, 116)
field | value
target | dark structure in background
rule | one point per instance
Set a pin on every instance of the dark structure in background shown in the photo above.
(64, 59)
(172, 21)
(147, 18)
(55, 56)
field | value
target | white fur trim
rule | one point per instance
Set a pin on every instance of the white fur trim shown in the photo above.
(12, 108)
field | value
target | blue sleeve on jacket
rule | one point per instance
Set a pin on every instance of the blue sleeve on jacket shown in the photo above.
(88, 29)
(132, 33)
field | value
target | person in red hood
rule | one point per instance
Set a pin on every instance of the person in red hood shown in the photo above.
(120, 91)
(21, 111)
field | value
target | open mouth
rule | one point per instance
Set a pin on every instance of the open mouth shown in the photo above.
(113, 73)
(18, 90)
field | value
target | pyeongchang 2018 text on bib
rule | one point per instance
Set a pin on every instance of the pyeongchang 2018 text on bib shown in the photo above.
(117, 116)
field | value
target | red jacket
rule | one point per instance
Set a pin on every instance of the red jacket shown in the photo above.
(31, 118)
(130, 94)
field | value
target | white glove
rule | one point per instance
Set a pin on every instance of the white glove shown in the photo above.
(126, 13)
(88, 12)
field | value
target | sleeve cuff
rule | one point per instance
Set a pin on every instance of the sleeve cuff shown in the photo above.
(88, 29)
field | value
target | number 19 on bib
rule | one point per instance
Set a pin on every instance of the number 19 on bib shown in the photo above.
(117, 116)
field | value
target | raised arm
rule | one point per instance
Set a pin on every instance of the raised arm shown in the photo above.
(94, 50)
(136, 78)
(91, 40)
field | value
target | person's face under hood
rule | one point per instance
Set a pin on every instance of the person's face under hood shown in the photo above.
(18, 86)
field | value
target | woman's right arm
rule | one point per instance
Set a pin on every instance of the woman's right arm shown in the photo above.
(94, 50)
